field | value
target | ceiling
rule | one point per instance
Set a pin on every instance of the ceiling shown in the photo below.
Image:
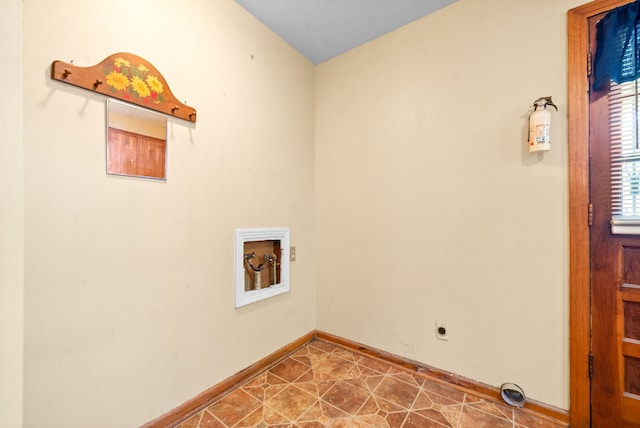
(322, 29)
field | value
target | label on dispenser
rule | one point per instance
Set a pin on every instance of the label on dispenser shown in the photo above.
(539, 138)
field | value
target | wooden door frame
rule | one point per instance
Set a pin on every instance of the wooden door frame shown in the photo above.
(579, 242)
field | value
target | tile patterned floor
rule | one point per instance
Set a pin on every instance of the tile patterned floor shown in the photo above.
(324, 385)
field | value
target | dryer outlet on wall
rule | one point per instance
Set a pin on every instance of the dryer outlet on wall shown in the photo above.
(442, 330)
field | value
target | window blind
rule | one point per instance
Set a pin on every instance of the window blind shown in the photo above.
(623, 101)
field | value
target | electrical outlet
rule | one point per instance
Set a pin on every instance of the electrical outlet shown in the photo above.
(442, 331)
(292, 254)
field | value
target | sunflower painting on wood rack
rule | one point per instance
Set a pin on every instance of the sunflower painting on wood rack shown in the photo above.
(134, 80)
(127, 77)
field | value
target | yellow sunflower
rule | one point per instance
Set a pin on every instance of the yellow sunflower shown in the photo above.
(117, 80)
(119, 62)
(142, 67)
(140, 87)
(154, 84)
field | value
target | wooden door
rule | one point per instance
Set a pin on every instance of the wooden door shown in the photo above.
(122, 148)
(129, 153)
(615, 273)
(151, 157)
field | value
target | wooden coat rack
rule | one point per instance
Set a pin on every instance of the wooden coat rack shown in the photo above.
(126, 77)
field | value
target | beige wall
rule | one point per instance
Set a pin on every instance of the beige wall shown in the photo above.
(133, 119)
(429, 206)
(419, 203)
(11, 216)
(129, 306)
